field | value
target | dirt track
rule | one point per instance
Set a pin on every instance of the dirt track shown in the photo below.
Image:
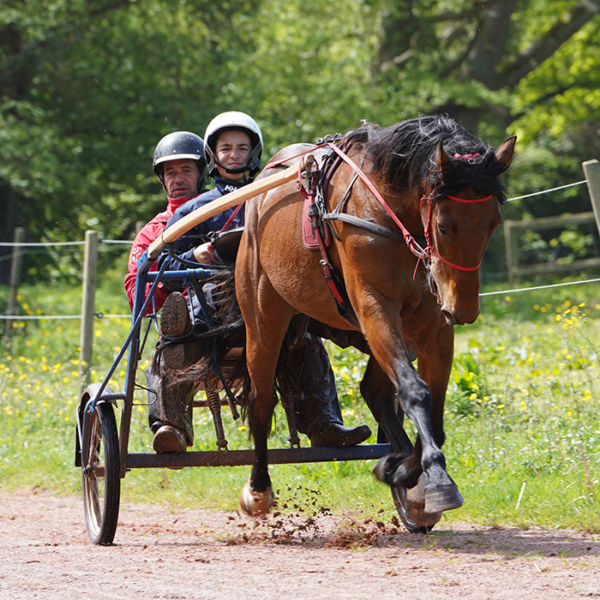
(45, 553)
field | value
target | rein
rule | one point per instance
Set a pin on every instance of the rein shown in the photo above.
(413, 246)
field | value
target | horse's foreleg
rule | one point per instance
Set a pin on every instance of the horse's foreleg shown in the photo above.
(379, 393)
(440, 492)
(257, 495)
(434, 368)
(435, 362)
(415, 400)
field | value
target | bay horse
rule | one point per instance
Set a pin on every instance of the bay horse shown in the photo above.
(439, 182)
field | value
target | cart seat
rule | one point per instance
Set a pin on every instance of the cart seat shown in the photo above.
(225, 246)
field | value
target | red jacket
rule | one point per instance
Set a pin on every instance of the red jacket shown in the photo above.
(148, 233)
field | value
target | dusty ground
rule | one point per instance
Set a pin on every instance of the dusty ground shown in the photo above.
(45, 553)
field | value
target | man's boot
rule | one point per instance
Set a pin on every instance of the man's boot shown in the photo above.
(170, 404)
(318, 412)
(175, 323)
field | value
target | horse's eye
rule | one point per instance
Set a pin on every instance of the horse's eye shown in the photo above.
(442, 229)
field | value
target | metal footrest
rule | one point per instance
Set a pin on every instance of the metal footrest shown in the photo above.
(277, 456)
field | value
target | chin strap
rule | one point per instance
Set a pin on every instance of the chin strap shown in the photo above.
(232, 171)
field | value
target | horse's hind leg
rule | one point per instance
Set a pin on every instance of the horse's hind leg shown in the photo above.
(379, 393)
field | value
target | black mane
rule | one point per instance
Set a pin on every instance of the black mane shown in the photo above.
(405, 154)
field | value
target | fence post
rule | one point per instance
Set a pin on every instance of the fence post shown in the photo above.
(510, 244)
(591, 168)
(15, 278)
(86, 337)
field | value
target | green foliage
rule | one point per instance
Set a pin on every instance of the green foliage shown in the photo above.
(570, 244)
(87, 89)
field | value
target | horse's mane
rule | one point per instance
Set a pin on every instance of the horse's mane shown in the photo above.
(405, 155)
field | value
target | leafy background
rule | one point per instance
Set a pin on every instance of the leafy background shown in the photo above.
(88, 87)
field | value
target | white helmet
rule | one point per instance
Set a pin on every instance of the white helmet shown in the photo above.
(229, 121)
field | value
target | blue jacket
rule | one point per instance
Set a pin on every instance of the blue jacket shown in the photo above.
(185, 245)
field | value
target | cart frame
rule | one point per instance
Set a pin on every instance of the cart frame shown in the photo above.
(104, 461)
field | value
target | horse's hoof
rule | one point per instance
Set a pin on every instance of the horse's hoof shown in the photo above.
(256, 503)
(414, 518)
(443, 498)
(379, 469)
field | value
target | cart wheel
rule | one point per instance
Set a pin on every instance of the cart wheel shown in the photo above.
(101, 479)
(410, 505)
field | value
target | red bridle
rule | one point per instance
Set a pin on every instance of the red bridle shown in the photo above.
(429, 250)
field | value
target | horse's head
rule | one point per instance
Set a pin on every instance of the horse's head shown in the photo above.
(460, 214)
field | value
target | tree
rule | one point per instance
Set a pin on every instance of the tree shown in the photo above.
(88, 89)
(482, 48)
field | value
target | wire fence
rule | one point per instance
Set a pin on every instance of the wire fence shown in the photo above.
(561, 187)
(25, 251)
(100, 315)
(53, 244)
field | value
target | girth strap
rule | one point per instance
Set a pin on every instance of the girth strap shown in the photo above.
(333, 279)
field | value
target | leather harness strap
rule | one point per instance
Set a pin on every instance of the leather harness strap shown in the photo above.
(413, 246)
(317, 215)
(333, 279)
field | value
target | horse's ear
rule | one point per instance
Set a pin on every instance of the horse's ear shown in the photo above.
(443, 160)
(504, 154)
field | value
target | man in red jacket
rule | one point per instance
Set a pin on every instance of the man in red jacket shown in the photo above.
(180, 165)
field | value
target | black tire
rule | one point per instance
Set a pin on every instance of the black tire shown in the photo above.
(101, 478)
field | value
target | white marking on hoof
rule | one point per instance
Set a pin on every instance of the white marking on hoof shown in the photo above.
(256, 503)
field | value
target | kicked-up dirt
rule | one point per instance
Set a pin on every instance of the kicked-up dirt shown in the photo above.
(195, 554)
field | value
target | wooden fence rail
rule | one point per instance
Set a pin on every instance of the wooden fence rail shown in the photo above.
(591, 169)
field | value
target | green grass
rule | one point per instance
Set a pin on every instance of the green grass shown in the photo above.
(522, 415)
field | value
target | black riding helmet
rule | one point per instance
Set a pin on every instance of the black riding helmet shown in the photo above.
(180, 145)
